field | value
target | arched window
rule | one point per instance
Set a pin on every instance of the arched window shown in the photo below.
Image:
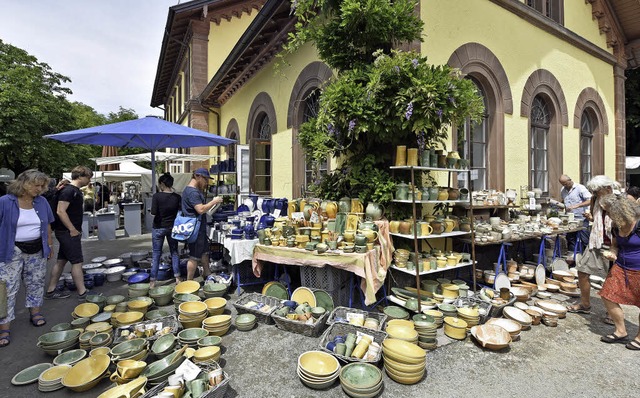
(261, 154)
(310, 111)
(539, 144)
(472, 145)
(586, 147)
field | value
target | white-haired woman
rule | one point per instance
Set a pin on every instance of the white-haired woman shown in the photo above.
(622, 285)
(592, 260)
(25, 245)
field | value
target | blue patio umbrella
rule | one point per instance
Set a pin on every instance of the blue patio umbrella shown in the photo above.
(151, 133)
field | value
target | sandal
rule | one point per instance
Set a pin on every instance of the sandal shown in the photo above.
(613, 338)
(5, 340)
(38, 320)
(579, 309)
(633, 345)
(607, 319)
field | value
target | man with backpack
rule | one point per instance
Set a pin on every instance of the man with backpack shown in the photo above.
(67, 206)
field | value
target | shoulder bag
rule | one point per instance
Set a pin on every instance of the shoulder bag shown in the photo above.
(185, 228)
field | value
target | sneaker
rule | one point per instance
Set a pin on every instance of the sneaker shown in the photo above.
(56, 294)
(84, 295)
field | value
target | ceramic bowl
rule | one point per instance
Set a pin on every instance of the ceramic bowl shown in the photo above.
(138, 305)
(192, 308)
(164, 343)
(360, 376)
(209, 341)
(492, 337)
(187, 287)
(86, 373)
(455, 328)
(128, 347)
(403, 349)
(86, 310)
(61, 327)
(318, 363)
(128, 368)
(193, 334)
(70, 357)
(128, 318)
(155, 314)
(54, 338)
(207, 353)
(185, 297)
(215, 305)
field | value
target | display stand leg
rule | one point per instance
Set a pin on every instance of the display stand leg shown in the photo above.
(577, 248)
(557, 251)
(542, 257)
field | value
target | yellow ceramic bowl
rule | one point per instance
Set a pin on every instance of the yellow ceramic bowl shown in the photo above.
(138, 305)
(449, 290)
(86, 373)
(129, 368)
(86, 310)
(217, 320)
(215, 305)
(189, 287)
(402, 333)
(207, 353)
(400, 322)
(130, 389)
(402, 378)
(468, 312)
(99, 327)
(455, 328)
(192, 307)
(318, 363)
(109, 308)
(403, 367)
(55, 373)
(433, 313)
(100, 351)
(404, 349)
(130, 317)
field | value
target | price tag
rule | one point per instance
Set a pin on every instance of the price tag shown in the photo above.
(298, 215)
(188, 370)
(359, 335)
(276, 213)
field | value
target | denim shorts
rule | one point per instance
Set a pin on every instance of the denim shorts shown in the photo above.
(200, 246)
(70, 247)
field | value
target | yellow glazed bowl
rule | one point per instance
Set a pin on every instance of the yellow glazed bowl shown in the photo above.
(215, 305)
(318, 363)
(130, 317)
(402, 333)
(192, 307)
(189, 287)
(131, 389)
(129, 368)
(404, 349)
(217, 320)
(207, 353)
(400, 322)
(455, 328)
(100, 351)
(55, 373)
(86, 373)
(450, 290)
(86, 310)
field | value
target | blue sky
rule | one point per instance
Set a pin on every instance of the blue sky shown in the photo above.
(109, 49)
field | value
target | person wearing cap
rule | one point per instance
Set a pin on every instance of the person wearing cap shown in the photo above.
(576, 199)
(193, 205)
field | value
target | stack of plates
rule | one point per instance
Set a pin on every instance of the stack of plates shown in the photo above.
(519, 316)
(438, 316)
(245, 322)
(217, 325)
(427, 331)
(215, 305)
(51, 379)
(317, 369)
(216, 289)
(492, 337)
(402, 332)
(192, 313)
(30, 374)
(85, 338)
(553, 306)
(187, 287)
(54, 343)
(191, 336)
(70, 357)
(85, 374)
(404, 362)
(509, 325)
(361, 380)
(114, 273)
(448, 310)
(470, 315)
(85, 310)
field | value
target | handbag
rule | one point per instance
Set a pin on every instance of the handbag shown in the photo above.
(185, 228)
(30, 247)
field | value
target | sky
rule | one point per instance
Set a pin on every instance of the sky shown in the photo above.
(109, 49)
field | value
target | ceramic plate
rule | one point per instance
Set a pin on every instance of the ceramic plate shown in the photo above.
(552, 306)
(99, 259)
(324, 300)
(30, 374)
(304, 295)
(517, 315)
(266, 286)
(277, 290)
(559, 265)
(571, 294)
(69, 357)
(541, 275)
(502, 280)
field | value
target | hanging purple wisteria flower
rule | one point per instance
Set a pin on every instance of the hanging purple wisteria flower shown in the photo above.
(409, 111)
(352, 125)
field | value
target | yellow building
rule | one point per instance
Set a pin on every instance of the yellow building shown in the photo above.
(551, 74)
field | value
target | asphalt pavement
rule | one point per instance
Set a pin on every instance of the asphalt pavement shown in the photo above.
(564, 361)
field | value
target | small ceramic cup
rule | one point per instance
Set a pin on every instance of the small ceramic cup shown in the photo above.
(341, 348)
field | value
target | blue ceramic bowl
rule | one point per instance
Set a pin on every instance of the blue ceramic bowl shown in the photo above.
(98, 279)
(331, 345)
(291, 304)
(338, 339)
(140, 277)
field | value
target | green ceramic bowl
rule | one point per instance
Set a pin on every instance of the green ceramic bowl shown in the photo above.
(192, 334)
(61, 327)
(360, 375)
(395, 312)
(164, 366)
(155, 314)
(69, 357)
(100, 339)
(53, 338)
(81, 322)
(184, 297)
(115, 299)
(215, 287)
(209, 341)
(161, 291)
(423, 318)
(245, 319)
(97, 299)
(164, 344)
(128, 347)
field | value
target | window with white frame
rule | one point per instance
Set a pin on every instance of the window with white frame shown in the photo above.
(539, 145)
(472, 145)
(586, 147)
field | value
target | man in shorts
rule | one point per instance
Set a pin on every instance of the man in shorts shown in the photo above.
(67, 228)
(193, 205)
(592, 261)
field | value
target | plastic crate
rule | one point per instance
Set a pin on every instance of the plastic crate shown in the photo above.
(332, 280)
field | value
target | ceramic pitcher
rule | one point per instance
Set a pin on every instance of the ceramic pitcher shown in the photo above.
(344, 205)
(356, 206)
(374, 211)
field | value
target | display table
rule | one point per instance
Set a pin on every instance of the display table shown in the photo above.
(240, 251)
(106, 225)
(364, 265)
(132, 219)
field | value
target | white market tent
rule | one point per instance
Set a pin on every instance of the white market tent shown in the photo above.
(632, 164)
(160, 157)
(129, 171)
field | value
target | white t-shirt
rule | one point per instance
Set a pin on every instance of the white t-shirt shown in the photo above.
(28, 226)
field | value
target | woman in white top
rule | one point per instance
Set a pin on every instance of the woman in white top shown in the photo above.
(25, 245)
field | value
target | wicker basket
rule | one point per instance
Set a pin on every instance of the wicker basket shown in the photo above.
(167, 321)
(218, 392)
(341, 329)
(340, 313)
(261, 316)
(305, 329)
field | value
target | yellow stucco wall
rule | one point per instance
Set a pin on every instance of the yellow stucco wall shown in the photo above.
(278, 84)
(522, 48)
(223, 37)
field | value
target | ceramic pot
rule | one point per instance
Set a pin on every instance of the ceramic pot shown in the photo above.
(465, 226)
(401, 155)
(356, 206)
(443, 194)
(402, 191)
(464, 194)
(454, 193)
(405, 227)
(344, 205)
(437, 227)
(374, 211)
(425, 158)
(394, 226)
(331, 209)
(442, 161)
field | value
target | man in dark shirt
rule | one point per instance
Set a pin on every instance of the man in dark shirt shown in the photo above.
(67, 229)
(193, 205)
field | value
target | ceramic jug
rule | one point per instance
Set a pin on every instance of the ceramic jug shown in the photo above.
(308, 209)
(368, 225)
(454, 193)
(374, 211)
(438, 227)
(344, 205)
(402, 191)
(443, 194)
(449, 225)
(394, 226)
(360, 239)
(331, 209)
(356, 206)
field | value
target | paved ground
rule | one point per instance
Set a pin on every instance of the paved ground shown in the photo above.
(566, 361)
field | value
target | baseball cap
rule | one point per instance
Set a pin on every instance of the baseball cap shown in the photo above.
(203, 172)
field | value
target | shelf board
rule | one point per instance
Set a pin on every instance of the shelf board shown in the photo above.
(432, 236)
(452, 202)
(435, 271)
(427, 168)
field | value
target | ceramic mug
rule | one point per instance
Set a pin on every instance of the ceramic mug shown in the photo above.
(341, 348)
(198, 386)
(394, 226)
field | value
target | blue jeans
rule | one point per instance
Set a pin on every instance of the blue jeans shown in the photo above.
(157, 240)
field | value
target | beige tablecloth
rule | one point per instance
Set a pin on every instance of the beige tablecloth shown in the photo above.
(239, 249)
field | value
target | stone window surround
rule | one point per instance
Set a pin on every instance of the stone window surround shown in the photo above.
(479, 62)
(311, 77)
(589, 100)
(233, 131)
(262, 104)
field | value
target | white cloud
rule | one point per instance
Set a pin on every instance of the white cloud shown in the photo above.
(109, 49)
